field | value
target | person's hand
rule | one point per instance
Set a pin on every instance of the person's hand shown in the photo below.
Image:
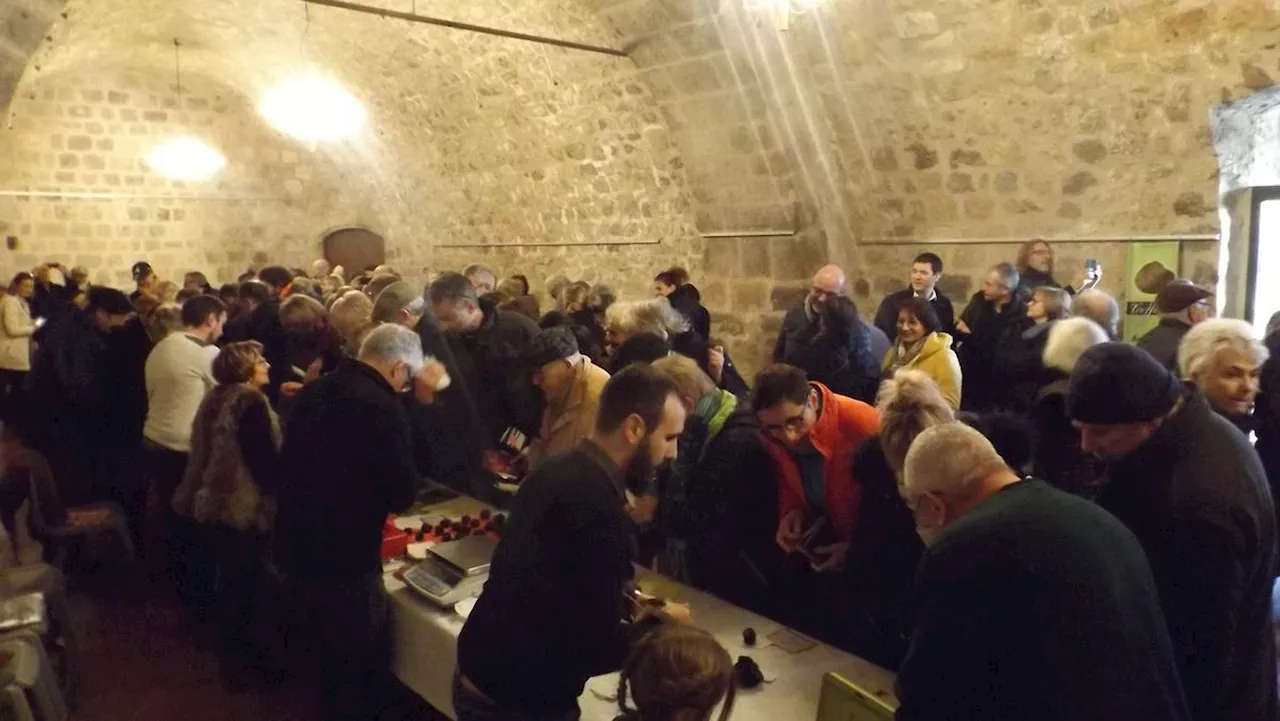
(791, 531)
(962, 327)
(313, 371)
(715, 363)
(835, 554)
(643, 509)
(427, 380)
(678, 612)
(289, 389)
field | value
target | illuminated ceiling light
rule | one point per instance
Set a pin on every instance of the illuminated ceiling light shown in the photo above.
(313, 109)
(780, 11)
(186, 158)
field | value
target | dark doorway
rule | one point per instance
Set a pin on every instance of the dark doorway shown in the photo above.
(1264, 258)
(354, 249)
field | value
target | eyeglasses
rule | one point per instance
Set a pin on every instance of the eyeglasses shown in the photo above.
(793, 424)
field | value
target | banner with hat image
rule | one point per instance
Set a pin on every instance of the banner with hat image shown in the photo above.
(1151, 267)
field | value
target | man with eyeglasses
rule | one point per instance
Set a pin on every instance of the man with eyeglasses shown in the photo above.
(807, 325)
(1182, 304)
(811, 435)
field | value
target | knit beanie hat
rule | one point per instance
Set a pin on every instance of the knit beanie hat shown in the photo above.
(1116, 383)
(550, 345)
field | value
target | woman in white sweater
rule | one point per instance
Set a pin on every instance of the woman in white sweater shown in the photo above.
(16, 329)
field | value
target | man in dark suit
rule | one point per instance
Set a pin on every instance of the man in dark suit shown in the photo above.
(926, 271)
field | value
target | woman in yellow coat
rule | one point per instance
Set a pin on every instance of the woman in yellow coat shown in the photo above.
(921, 347)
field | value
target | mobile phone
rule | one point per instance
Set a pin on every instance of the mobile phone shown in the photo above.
(1091, 266)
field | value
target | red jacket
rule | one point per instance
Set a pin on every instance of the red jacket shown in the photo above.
(844, 424)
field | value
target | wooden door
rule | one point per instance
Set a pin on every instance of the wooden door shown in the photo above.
(354, 249)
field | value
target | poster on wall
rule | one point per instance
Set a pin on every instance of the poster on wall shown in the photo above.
(1150, 267)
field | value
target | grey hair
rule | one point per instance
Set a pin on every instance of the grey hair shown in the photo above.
(1057, 302)
(1099, 307)
(1068, 340)
(950, 458)
(648, 316)
(1008, 274)
(391, 343)
(1202, 344)
(474, 268)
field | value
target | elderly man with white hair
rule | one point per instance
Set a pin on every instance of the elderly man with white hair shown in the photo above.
(1224, 360)
(1099, 307)
(347, 461)
(1031, 603)
(1058, 458)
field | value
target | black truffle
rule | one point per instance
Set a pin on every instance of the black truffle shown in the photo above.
(466, 520)
(746, 673)
(485, 514)
(749, 636)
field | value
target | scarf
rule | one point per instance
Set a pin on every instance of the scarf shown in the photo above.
(903, 354)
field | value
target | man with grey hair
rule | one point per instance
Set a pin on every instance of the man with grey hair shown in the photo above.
(1031, 603)
(1099, 307)
(347, 461)
(1224, 360)
(482, 278)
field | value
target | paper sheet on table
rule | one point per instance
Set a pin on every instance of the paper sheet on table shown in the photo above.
(660, 587)
(790, 641)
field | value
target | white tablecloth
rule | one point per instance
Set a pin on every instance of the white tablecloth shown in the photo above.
(426, 654)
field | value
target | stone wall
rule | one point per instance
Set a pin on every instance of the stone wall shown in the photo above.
(532, 159)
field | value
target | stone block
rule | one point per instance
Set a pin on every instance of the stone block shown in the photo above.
(723, 256)
(796, 258)
(916, 24)
(1090, 151)
(786, 296)
(1078, 183)
(1006, 182)
(755, 258)
(1191, 204)
(962, 157)
(728, 324)
(155, 116)
(925, 157)
(884, 159)
(79, 142)
(749, 295)
(957, 287)
(960, 183)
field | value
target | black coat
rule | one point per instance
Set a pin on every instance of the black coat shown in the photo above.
(1037, 605)
(688, 301)
(692, 345)
(1196, 497)
(448, 438)
(1029, 279)
(979, 349)
(551, 615)
(1058, 457)
(732, 512)
(887, 314)
(826, 360)
(264, 326)
(798, 333)
(347, 461)
(1266, 419)
(1019, 365)
(1162, 342)
(491, 366)
(884, 553)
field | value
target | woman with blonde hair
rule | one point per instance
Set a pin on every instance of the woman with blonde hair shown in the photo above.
(885, 546)
(228, 492)
(676, 673)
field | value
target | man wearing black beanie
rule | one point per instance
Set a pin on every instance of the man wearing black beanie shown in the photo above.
(1188, 485)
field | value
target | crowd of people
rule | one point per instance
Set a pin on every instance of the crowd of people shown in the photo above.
(1021, 515)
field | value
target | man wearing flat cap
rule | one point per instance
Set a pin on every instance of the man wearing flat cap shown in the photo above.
(570, 384)
(1188, 485)
(1182, 304)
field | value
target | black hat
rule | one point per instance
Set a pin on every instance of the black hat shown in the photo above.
(1180, 294)
(109, 300)
(1116, 383)
(552, 344)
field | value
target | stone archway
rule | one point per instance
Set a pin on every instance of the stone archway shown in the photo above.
(354, 249)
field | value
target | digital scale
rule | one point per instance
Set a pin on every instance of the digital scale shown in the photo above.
(453, 571)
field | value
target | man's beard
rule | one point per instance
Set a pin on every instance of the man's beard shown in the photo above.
(639, 473)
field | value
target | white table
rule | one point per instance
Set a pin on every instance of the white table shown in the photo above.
(426, 656)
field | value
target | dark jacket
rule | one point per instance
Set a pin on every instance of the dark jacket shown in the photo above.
(1019, 364)
(1058, 457)
(490, 364)
(1196, 497)
(347, 461)
(1038, 605)
(688, 302)
(1029, 279)
(448, 438)
(590, 334)
(692, 345)
(826, 360)
(1162, 342)
(552, 612)
(887, 314)
(883, 554)
(1266, 418)
(979, 349)
(798, 333)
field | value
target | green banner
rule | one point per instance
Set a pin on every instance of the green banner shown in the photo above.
(1149, 263)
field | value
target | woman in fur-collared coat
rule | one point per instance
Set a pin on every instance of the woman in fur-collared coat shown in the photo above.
(228, 492)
